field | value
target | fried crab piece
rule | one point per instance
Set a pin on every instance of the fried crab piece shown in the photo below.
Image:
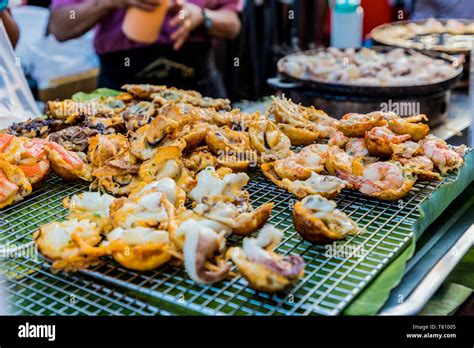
(139, 114)
(146, 140)
(387, 181)
(443, 158)
(203, 251)
(380, 139)
(199, 159)
(264, 269)
(74, 138)
(324, 185)
(28, 154)
(91, 206)
(66, 164)
(421, 166)
(355, 125)
(71, 244)
(410, 125)
(149, 209)
(268, 140)
(236, 213)
(166, 163)
(317, 220)
(14, 185)
(300, 166)
(219, 183)
(139, 248)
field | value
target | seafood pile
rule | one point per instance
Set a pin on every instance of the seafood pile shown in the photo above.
(366, 67)
(167, 169)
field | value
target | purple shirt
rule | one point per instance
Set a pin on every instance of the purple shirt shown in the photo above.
(109, 36)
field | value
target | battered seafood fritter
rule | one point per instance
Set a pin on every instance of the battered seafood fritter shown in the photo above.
(14, 185)
(443, 158)
(356, 125)
(199, 159)
(411, 126)
(36, 128)
(264, 269)
(316, 219)
(379, 141)
(74, 139)
(138, 115)
(66, 164)
(268, 140)
(299, 166)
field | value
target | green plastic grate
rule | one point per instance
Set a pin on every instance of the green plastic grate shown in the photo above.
(330, 282)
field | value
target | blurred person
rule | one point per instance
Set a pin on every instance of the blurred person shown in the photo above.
(10, 25)
(422, 9)
(181, 57)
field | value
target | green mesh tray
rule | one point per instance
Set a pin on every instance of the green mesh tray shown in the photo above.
(330, 282)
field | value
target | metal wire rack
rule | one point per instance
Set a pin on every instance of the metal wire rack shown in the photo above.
(334, 274)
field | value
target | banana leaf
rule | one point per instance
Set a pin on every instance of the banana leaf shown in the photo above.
(98, 93)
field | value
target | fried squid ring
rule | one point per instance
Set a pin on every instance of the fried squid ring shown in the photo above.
(264, 269)
(317, 220)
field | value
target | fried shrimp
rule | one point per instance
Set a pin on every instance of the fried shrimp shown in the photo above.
(356, 125)
(444, 158)
(299, 166)
(380, 139)
(411, 126)
(386, 181)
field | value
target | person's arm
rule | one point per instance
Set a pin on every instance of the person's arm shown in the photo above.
(10, 26)
(71, 21)
(225, 23)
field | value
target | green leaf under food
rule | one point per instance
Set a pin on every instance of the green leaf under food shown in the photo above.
(447, 299)
(100, 92)
(374, 296)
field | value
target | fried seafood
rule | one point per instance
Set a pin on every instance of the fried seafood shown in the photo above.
(380, 139)
(203, 251)
(219, 183)
(268, 140)
(74, 138)
(28, 154)
(411, 126)
(166, 163)
(66, 164)
(139, 248)
(324, 185)
(316, 219)
(356, 125)
(232, 148)
(71, 244)
(302, 125)
(407, 149)
(301, 165)
(174, 194)
(236, 213)
(146, 140)
(14, 185)
(264, 269)
(421, 166)
(143, 91)
(387, 181)
(199, 159)
(91, 206)
(150, 208)
(138, 115)
(443, 158)
(338, 159)
(36, 127)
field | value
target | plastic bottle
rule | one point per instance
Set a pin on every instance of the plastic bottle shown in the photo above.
(142, 26)
(347, 18)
